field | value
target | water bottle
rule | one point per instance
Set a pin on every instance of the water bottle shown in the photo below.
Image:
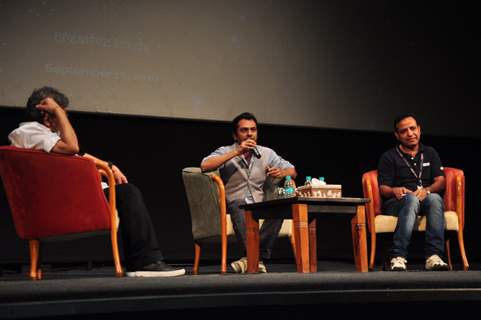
(308, 181)
(323, 182)
(289, 189)
(279, 193)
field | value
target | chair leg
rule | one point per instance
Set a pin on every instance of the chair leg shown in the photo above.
(373, 250)
(448, 254)
(462, 251)
(355, 242)
(35, 272)
(223, 262)
(197, 251)
(115, 253)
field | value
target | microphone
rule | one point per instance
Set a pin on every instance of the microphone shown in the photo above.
(256, 152)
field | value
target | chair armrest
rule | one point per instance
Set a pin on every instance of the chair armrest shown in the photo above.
(222, 203)
(455, 192)
(107, 172)
(367, 188)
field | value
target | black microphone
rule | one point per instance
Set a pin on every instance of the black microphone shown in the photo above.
(256, 152)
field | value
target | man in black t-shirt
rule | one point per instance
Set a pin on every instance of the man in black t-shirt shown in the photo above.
(411, 179)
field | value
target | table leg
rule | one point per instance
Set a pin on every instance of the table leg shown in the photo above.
(313, 245)
(301, 234)
(252, 245)
(358, 229)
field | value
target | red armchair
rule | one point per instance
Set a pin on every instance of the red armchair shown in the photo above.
(54, 196)
(379, 222)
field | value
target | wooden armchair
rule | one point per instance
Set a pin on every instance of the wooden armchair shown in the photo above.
(57, 197)
(454, 212)
(207, 203)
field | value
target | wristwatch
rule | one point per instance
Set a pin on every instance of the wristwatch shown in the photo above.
(110, 164)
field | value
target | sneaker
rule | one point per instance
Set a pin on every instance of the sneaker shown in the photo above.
(156, 269)
(262, 267)
(398, 264)
(435, 263)
(240, 266)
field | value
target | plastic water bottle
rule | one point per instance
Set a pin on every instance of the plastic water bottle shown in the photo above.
(323, 182)
(289, 189)
(280, 193)
(308, 181)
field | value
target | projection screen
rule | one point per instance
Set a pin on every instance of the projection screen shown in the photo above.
(300, 63)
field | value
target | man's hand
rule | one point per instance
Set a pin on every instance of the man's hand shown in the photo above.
(246, 146)
(275, 172)
(118, 175)
(421, 193)
(49, 106)
(400, 192)
(55, 118)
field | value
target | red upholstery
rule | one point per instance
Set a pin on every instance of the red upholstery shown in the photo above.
(375, 202)
(453, 201)
(52, 194)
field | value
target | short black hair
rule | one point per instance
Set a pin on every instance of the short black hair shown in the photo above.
(403, 116)
(32, 113)
(242, 116)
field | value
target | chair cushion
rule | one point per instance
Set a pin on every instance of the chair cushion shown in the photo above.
(286, 229)
(387, 223)
(230, 227)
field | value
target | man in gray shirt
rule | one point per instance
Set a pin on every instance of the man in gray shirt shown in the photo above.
(244, 167)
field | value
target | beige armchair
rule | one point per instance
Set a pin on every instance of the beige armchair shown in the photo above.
(379, 222)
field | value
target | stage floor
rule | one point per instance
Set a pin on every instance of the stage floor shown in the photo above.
(71, 292)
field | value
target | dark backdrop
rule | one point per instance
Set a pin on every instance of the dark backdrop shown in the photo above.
(153, 151)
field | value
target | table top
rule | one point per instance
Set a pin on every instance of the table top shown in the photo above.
(342, 201)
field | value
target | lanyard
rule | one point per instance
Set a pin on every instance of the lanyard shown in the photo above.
(419, 177)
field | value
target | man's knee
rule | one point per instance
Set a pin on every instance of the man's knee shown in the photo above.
(411, 201)
(126, 191)
(434, 198)
(434, 203)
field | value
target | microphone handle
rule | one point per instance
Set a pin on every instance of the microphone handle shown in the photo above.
(256, 152)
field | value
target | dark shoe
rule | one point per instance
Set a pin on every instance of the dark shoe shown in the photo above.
(156, 269)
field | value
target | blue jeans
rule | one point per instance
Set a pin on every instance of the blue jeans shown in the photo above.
(407, 209)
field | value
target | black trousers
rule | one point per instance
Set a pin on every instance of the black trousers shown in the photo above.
(137, 232)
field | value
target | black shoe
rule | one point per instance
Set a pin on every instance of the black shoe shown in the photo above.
(156, 269)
